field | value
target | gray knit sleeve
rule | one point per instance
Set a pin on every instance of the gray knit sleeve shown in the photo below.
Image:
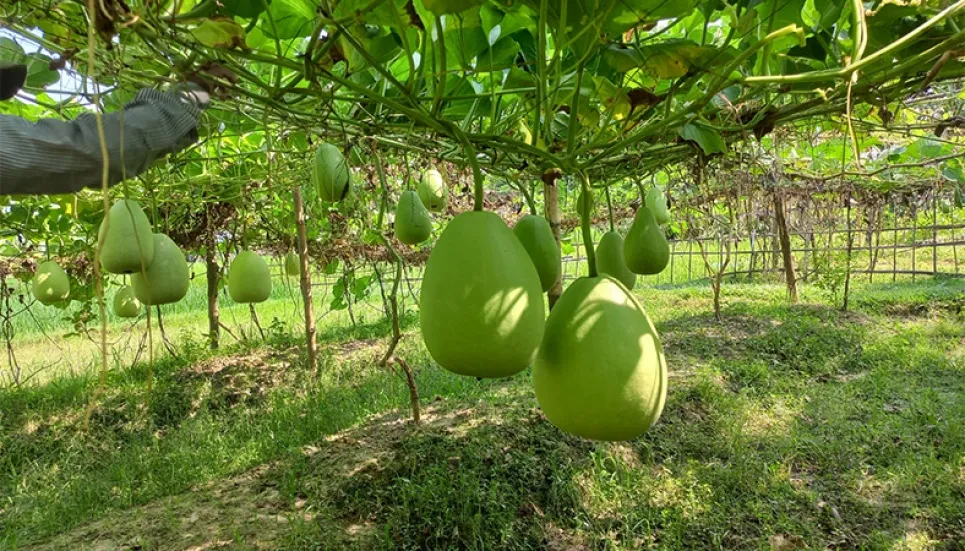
(53, 156)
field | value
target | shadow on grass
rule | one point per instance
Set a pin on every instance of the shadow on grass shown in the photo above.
(799, 426)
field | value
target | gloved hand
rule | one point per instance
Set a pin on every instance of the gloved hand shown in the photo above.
(192, 93)
(12, 78)
(214, 79)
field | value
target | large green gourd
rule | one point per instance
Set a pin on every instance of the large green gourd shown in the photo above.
(535, 234)
(412, 222)
(600, 372)
(646, 250)
(50, 283)
(126, 304)
(481, 308)
(129, 239)
(249, 279)
(433, 191)
(609, 259)
(331, 174)
(657, 202)
(293, 265)
(166, 279)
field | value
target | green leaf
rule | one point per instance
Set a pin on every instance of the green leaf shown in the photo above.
(706, 137)
(822, 14)
(220, 33)
(669, 59)
(247, 9)
(628, 14)
(953, 172)
(787, 12)
(442, 7)
(39, 73)
(293, 18)
(10, 50)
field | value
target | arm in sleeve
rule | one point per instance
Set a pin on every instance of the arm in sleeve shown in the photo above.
(53, 156)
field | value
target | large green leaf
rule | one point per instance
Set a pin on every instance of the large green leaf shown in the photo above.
(823, 14)
(10, 50)
(220, 33)
(388, 13)
(39, 73)
(293, 18)
(244, 8)
(704, 136)
(669, 59)
(442, 7)
(631, 13)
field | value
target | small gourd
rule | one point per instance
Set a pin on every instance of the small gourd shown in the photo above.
(249, 279)
(50, 283)
(126, 304)
(166, 279)
(331, 174)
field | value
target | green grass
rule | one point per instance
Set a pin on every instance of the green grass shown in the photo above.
(786, 427)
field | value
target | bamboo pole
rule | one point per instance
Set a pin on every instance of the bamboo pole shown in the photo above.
(211, 265)
(305, 280)
(551, 200)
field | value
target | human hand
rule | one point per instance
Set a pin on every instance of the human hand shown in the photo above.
(214, 79)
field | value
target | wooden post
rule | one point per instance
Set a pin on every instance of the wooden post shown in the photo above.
(934, 231)
(211, 265)
(914, 238)
(551, 200)
(785, 240)
(894, 251)
(847, 270)
(305, 280)
(690, 260)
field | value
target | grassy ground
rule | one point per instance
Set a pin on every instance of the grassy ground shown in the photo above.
(787, 427)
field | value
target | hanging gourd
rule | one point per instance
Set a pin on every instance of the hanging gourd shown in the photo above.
(433, 190)
(128, 244)
(657, 201)
(293, 266)
(481, 306)
(536, 236)
(600, 372)
(609, 259)
(249, 279)
(645, 249)
(412, 223)
(50, 283)
(166, 279)
(331, 173)
(126, 304)
(580, 202)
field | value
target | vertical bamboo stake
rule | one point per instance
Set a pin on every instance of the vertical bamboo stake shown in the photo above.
(954, 239)
(934, 232)
(305, 280)
(211, 265)
(690, 260)
(551, 200)
(914, 239)
(894, 250)
(785, 240)
(847, 272)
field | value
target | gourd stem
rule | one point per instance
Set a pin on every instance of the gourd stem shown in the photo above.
(585, 222)
(609, 207)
